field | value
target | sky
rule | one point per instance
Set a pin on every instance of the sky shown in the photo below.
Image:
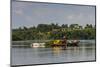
(33, 13)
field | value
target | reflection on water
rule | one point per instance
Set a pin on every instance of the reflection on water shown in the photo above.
(56, 50)
(24, 56)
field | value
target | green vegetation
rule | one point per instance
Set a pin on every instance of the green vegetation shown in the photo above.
(49, 43)
(54, 31)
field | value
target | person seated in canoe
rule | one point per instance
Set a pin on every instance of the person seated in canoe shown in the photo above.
(75, 42)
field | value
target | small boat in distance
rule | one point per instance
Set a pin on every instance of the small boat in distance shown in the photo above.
(68, 44)
(37, 45)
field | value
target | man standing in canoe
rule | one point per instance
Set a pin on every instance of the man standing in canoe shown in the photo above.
(64, 42)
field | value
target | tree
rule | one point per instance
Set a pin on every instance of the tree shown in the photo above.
(53, 31)
(64, 26)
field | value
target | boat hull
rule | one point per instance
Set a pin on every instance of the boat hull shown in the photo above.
(65, 45)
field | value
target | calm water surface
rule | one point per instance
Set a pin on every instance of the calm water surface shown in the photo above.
(24, 56)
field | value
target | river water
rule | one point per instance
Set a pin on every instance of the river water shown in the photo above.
(24, 56)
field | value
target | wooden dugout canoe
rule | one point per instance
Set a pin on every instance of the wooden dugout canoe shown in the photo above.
(65, 45)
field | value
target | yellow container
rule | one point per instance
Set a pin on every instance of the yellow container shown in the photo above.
(56, 42)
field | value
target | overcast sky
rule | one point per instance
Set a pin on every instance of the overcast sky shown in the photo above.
(31, 14)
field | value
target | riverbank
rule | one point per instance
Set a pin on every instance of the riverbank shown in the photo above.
(29, 42)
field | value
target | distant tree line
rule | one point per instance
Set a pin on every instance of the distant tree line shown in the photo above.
(54, 31)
